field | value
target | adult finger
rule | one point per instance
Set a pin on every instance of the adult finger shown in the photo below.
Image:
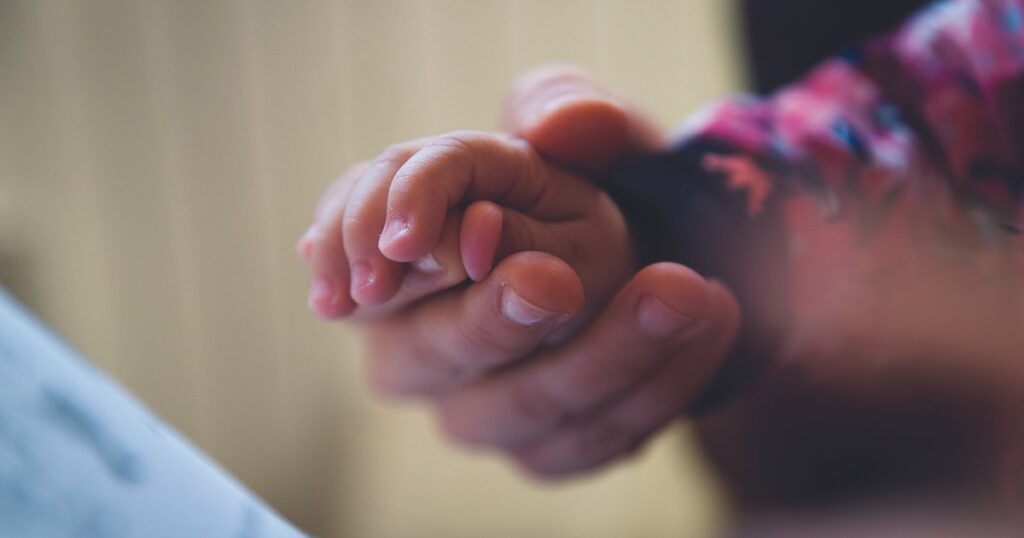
(573, 120)
(491, 232)
(467, 166)
(626, 424)
(458, 336)
(661, 311)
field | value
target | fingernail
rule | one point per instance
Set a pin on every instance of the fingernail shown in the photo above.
(321, 295)
(428, 265)
(661, 320)
(362, 275)
(521, 311)
(393, 229)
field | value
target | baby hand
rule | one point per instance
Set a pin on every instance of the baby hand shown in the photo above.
(427, 214)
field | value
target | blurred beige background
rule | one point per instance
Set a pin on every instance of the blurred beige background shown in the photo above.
(158, 159)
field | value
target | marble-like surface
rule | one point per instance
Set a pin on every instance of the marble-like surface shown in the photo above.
(80, 457)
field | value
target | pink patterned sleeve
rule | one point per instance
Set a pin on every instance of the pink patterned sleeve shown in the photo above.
(936, 109)
(913, 141)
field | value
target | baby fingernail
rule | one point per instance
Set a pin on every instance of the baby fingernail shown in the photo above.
(362, 275)
(521, 311)
(661, 320)
(394, 228)
(428, 265)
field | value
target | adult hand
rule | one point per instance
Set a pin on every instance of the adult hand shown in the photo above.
(485, 354)
(857, 370)
(895, 370)
(893, 376)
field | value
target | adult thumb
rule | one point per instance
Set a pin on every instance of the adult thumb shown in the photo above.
(573, 120)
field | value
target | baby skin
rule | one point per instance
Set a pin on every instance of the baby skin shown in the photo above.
(879, 272)
(477, 266)
(426, 215)
(424, 241)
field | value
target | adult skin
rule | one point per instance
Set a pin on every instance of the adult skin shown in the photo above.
(909, 392)
(570, 387)
(898, 380)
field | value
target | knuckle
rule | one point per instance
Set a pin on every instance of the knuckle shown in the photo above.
(426, 358)
(521, 235)
(582, 448)
(460, 142)
(353, 172)
(602, 436)
(380, 371)
(382, 379)
(455, 149)
(326, 250)
(412, 369)
(393, 156)
(357, 228)
(455, 427)
(532, 404)
(434, 363)
(483, 339)
(600, 369)
(454, 153)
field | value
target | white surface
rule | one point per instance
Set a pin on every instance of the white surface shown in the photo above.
(79, 457)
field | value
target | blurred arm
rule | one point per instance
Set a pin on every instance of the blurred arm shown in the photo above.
(908, 147)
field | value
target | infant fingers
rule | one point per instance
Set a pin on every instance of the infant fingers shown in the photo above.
(464, 167)
(457, 337)
(491, 232)
(374, 278)
(322, 247)
(350, 276)
(615, 431)
(439, 270)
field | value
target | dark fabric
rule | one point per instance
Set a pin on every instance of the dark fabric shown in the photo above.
(786, 38)
(844, 139)
(681, 213)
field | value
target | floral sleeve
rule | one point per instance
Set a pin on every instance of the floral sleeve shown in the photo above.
(927, 121)
(911, 137)
(938, 105)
